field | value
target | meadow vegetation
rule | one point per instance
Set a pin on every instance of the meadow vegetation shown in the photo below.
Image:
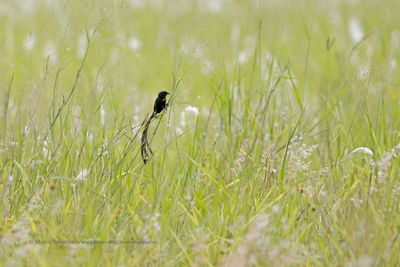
(279, 147)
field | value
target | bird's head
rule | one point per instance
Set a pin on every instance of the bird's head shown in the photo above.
(163, 94)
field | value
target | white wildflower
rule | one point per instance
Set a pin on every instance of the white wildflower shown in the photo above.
(45, 150)
(298, 157)
(243, 57)
(13, 143)
(99, 84)
(356, 202)
(102, 116)
(323, 171)
(89, 137)
(156, 226)
(102, 151)
(50, 52)
(29, 42)
(178, 131)
(26, 130)
(355, 30)
(363, 150)
(373, 190)
(276, 208)
(82, 175)
(82, 45)
(385, 163)
(207, 67)
(198, 52)
(364, 71)
(214, 6)
(77, 122)
(322, 193)
(308, 191)
(240, 158)
(190, 110)
(134, 44)
(392, 63)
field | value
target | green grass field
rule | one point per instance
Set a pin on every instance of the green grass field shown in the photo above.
(279, 147)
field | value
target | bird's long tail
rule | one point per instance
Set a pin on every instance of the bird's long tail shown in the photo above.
(145, 146)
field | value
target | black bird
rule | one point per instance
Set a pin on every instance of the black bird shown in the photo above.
(159, 105)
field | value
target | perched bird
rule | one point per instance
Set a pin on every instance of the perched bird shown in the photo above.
(159, 105)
